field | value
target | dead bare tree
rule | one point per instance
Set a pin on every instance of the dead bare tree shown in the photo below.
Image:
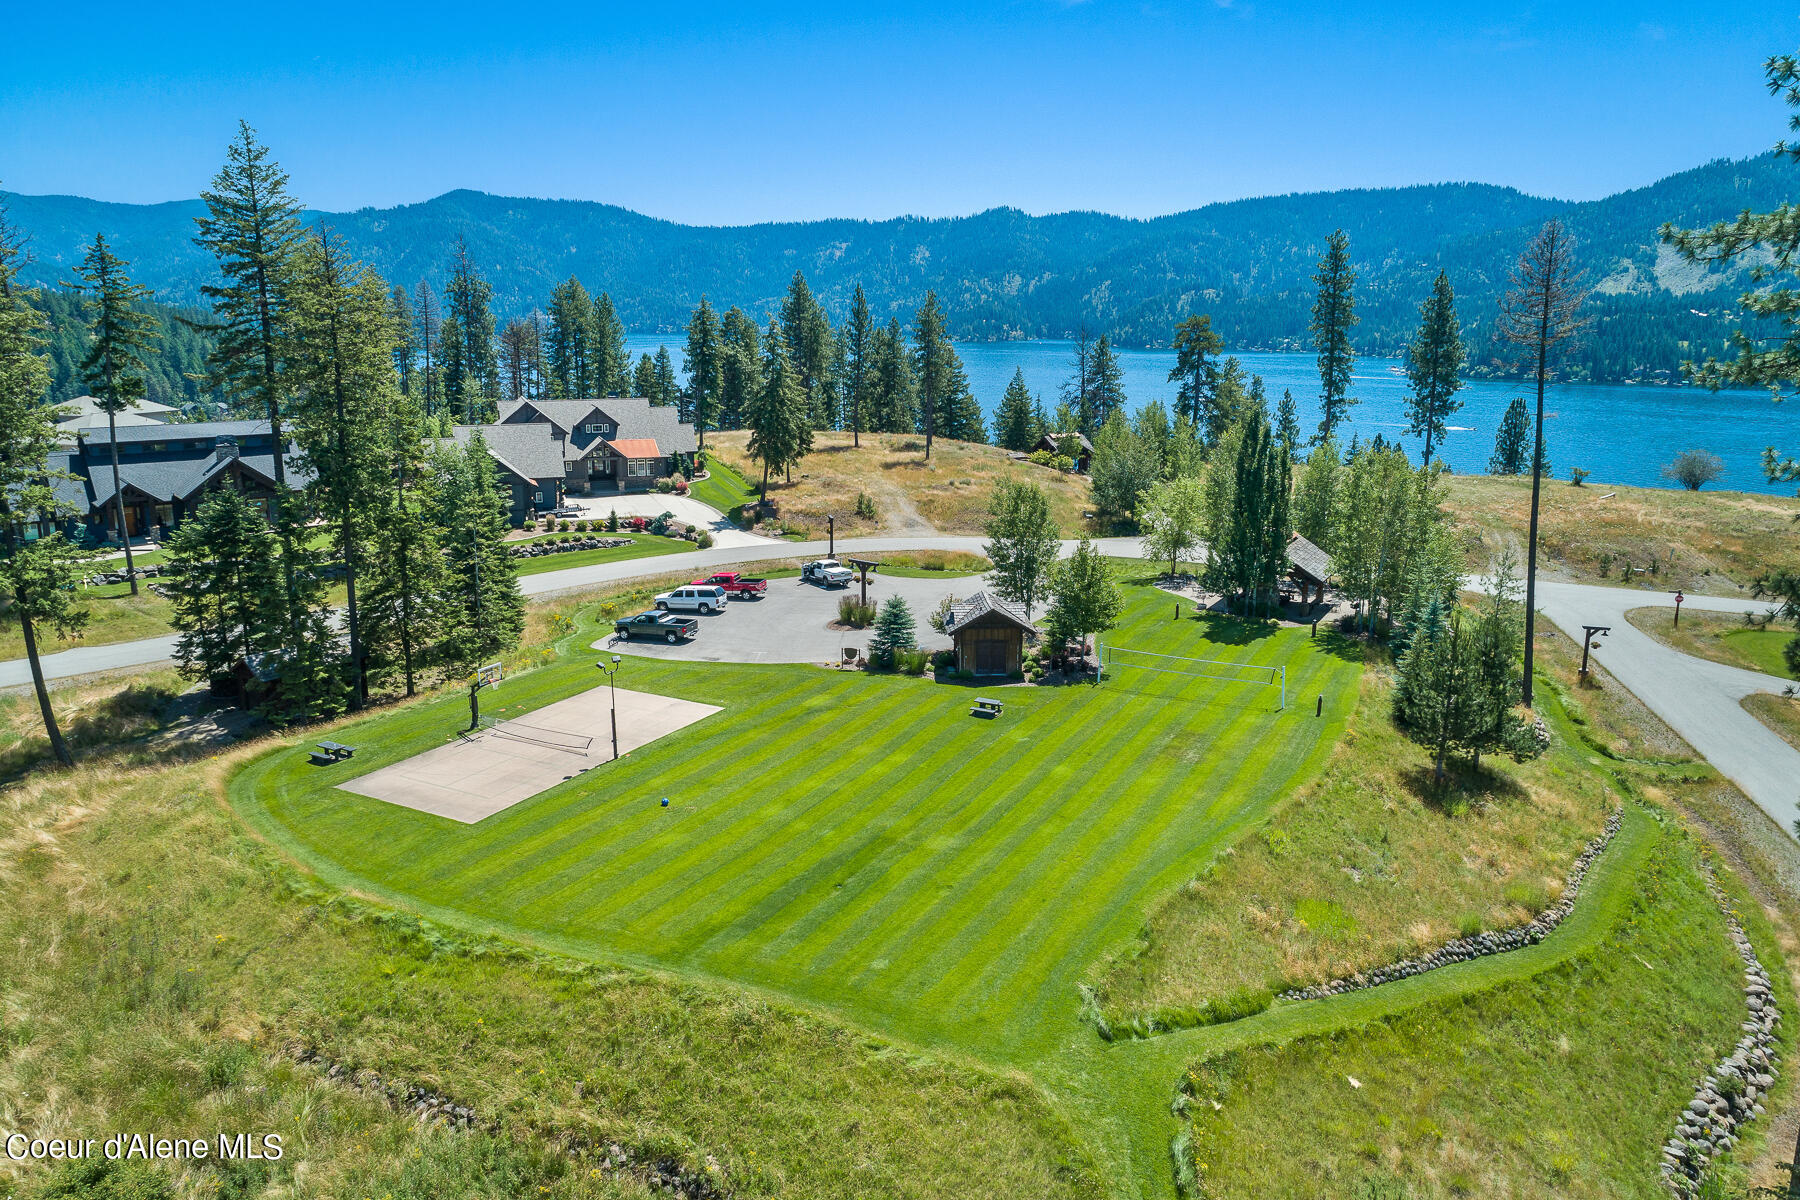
(1540, 314)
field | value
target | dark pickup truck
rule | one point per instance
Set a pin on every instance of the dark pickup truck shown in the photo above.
(667, 626)
(738, 587)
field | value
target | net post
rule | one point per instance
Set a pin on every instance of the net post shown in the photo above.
(1283, 707)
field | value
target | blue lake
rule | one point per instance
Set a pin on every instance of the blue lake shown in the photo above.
(1623, 434)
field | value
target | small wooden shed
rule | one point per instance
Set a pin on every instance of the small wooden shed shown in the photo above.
(1309, 567)
(989, 635)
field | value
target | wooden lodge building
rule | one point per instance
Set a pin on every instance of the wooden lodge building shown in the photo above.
(989, 635)
(619, 444)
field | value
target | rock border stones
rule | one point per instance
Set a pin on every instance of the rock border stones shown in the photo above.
(1730, 1097)
(662, 1174)
(1476, 945)
(537, 549)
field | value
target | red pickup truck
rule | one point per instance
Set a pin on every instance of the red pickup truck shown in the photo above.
(740, 587)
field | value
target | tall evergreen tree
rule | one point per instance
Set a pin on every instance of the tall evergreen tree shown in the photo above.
(1287, 422)
(859, 373)
(612, 365)
(1540, 313)
(810, 350)
(519, 356)
(340, 365)
(407, 575)
(1107, 395)
(1333, 316)
(471, 377)
(223, 579)
(37, 575)
(1434, 361)
(569, 353)
(667, 393)
(1254, 548)
(1512, 441)
(1230, 402)
(740, 369)
(931, 365)
(896, 398)
(119, 339)
(1194, 371)
(703, 367)
(1022, 542)
(425, 325)
(778, 415)
(486, 612)
(1012, 423)
(1078, 388)
(406, 338)
(643, 377)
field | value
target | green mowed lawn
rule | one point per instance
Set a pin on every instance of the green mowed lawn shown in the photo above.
(858, 842)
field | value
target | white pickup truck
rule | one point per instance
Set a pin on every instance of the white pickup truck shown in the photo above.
(703, 598)
(826, 572)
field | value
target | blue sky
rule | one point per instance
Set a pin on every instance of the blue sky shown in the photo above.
(724, 114)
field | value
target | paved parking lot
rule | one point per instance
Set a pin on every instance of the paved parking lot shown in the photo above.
(790, 623)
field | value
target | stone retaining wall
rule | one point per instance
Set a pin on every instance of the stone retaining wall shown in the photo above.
(427, 1106)
(1731, 1096)
(1476, 945)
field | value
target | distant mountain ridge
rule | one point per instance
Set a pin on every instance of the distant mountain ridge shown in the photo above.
(1004, 274)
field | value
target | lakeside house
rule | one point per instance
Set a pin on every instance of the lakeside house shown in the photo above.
(84, 412)
(1075, 445)
(164, 471)
(618, 444)
(529, 459)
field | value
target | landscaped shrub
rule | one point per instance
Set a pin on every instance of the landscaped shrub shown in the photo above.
(1043, 458)
(680, 482)
(665, 485)
(704, 539)
(581, 526)
(912, 662)
(943, 660)
(865, 506)
(854, 613)
(612, 521)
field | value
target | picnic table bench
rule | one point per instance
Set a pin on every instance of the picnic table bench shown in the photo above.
(330, 752)
(985, 707)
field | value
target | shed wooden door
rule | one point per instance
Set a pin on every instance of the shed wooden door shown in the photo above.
(990, 656)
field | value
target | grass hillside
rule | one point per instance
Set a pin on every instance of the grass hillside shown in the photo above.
(948, 495)
(1707, 542)
(1722, 637)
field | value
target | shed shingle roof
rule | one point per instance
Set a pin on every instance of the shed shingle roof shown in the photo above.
(962, 612)
(1309, 558)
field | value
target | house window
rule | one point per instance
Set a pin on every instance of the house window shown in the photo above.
(599, 427)
(639, 467)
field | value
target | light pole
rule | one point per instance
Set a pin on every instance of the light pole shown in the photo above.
(1590, 641)
(612, 669)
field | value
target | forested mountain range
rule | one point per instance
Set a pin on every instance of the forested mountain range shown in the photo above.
(1004, 274)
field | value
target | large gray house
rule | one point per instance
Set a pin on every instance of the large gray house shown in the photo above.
(618, 444)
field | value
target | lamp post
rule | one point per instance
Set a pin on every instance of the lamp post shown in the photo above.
(1589, 641)
(612, 669)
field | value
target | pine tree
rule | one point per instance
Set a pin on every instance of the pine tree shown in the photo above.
(407, 576)
(930, 365)
(895, 390)
(643, 378)
(1022, 542)
(119, 338)
(740, 369)
(703, 367)
(859, 367)
(518, 359)
(1254, 546)
(778, 414)
(1195, 346)
(406, 338)
(893, 632)
(471, 377)
(571, 340)
(810, 350)
(1512, 443)
(1540, 313)
(1078, 388)
(611, 364)
(666, 394)
(1434, 361)
(1229, 403)
(486, 612)
(340, 366)
(1287, 422)
(1013, 423)
(37, 575)
(425, 326)
(223, 580)
(1333, 316)
(1107, 394)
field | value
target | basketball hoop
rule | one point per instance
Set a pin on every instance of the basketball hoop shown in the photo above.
(488, 676)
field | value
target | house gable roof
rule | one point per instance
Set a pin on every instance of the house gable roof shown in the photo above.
(1309, 559)
(964, 613)
(636, 447)
(631, 418)
(531, 450)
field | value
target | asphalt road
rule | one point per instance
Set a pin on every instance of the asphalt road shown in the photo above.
(1698, 699)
